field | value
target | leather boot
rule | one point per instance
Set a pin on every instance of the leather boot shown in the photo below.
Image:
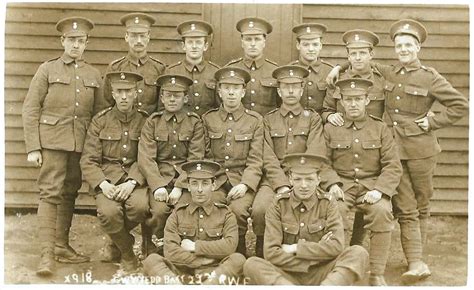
(417, 271)
(47, 231)
(110, 253)
(124, 242)
(47, 264)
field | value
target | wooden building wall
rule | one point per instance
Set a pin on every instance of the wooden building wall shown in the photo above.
(30, 39)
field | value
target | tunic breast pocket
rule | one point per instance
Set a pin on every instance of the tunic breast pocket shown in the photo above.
(279, 141)
(110, 140)
(134, 138)
(301, 133)
(214, 233)
(268, 86)
(58, 87)
(290, 233)
(90, 85)
(184, 138)
(419, 101)
(317, 230)
(161, 136)
(217, 144)
(187, 232)
(242, 144)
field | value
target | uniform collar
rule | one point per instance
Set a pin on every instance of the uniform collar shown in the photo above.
(359, 124)
(236, 115)
(414, 65)
(255, 63)
(178, 115)
(316, 66)
(308, 204)
(124, 117)
(353, 74)
(136, 61)
(296, 111)
(199, 67)
(67, 60)
(207, 207)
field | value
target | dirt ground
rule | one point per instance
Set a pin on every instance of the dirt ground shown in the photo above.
(446, 253)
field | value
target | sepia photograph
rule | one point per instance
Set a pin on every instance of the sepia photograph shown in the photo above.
(258, 143)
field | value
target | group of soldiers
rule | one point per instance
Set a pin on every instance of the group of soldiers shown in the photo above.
(192, 151)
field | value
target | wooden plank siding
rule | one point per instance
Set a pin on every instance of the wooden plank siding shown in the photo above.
(446, 49)
(30, 39)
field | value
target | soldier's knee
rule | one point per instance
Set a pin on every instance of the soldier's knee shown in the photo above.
(358, 252)
(150, 262)
(250, 266)
(237, 260)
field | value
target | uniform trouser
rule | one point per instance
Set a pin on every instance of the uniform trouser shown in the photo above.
(160, 210)
(59, 180)
(379, 220)
(158, 266)
(412, 204)
(344, 270)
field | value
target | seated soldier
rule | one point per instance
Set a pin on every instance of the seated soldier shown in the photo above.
(364, 155)
(304, 235)
(234, 139)
(201, 236)
(109, 166)
(169, 138)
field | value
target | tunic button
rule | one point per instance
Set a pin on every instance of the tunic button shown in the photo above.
(230, 118)
(356, 140)
(196, 94)
(227, 170)
(338, 145)
(201, 230)
(75, 117)
(356, 169)
(309, 98)
(289, 143)
(252, 80)
(229, 130)
(174, 145)
(154, 83)
(140, 90)
(77, 104)
(201, 216)
(226, 157)
(75, 65)
(301, 224)
(227, 144)
(416, 93)
(356, 155)
(302, 209)
(194, 69)
(78, 90)
(252, 104)
(109, 137)
(77, 77)
(357, 180)
(402, 72)
(57, 80)
(289, 129)
(174, 157)
(184, 233)
(124, 146)
(139, 103)
(125, 133)
(196, 81)
(354, 127)
(310, 83)
(399, 85)
(197, 107)
(252, 68)
(395, 123)
(397, 97)
(396, 110)
(291, 116)
(174, 132)
(252, 92)
(124, 159)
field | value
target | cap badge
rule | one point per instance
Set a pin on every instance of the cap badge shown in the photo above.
(136, 20)
(251, 24)
(406, 26)
(173, 81)
(193, 26)
(232, 73)
(198, 166)
(308, 29)
(356, 37)
(122, 76)
(291, 72)
(353, 85)
(74, 25)
(302, 160)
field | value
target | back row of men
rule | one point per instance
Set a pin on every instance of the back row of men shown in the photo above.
(153, 119)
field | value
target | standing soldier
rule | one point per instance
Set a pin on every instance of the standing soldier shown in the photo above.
(196, 39)
(234, 139)
(363, 154)
(110, 166)
(137, 60)
(169, 138)
(56, 113)
(288, 129)
(304, 235)
(410, 91)
(309, 45)
(200, 236)
(261, 95)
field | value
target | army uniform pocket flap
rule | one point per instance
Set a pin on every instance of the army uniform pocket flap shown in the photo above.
(340, 144)
(93, 83)
(150, 81)
(49, 120)
(376, 96)
(135, 135)
(372, 144)
(215, 135)
(290, 228)
(268, 82)
(301, 131)
(186, 136)
(210, 84)
(161, 135)
(243, 137)
(110, 135)
(187, 231)
(389, 86)
(59, 79)
(319, 225)
(322, 85)
(278, 133)
(413, 130)
(416, 91)
(214, 232)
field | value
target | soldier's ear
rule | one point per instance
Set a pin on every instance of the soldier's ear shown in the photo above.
(183, 45)
(290, 178)
(126, 36)
(206, 46)
(214, 185)
(367, 100)
(62, 40)
(279, 92)
(298, 45)
(186, 98)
